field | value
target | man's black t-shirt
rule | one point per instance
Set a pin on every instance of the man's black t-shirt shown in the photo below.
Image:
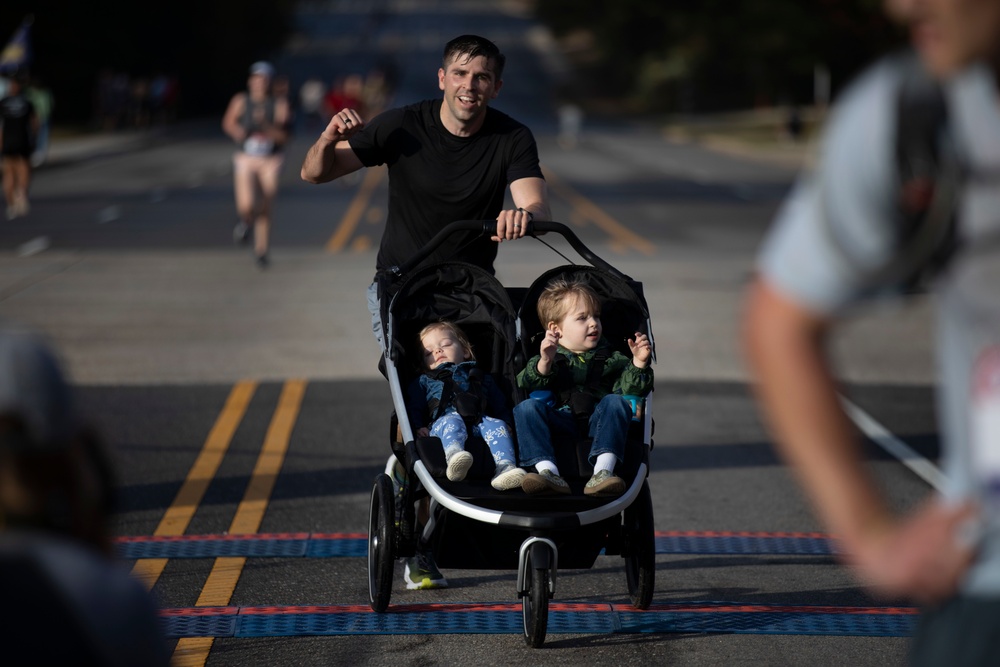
(436, 178)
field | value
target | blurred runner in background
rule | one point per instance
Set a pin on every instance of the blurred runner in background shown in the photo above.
(258, 122)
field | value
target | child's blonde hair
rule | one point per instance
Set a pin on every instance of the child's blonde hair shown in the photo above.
(553, 304)
(452, 328)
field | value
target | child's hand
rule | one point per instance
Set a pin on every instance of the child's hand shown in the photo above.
(423, 432)
(641, 349)
(548, 350)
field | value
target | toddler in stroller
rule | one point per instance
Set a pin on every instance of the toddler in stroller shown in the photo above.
(457, 398)
(579, 384)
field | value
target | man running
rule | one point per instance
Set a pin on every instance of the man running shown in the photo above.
(258, 122)
(449, 159)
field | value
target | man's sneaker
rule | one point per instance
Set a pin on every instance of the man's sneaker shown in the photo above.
(262, 261)
(604, 483)
(421, 572)
(241, 232)
(458, 465)
(507, 477)
(544, 481)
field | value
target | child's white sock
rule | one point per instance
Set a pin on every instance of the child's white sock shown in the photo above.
(605, 461)
(547, 465)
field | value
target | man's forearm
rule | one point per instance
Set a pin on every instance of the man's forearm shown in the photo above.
(797, 390)
(318, 166)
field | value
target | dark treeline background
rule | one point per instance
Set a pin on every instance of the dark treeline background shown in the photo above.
(642, 55)
(709, 55)
(207, 44)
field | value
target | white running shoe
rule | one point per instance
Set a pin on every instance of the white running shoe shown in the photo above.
(458, 465)
(508, 477)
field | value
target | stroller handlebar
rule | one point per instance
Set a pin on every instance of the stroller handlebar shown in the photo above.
(489, 228)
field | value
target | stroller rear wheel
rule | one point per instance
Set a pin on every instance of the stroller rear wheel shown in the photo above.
(381, 519)
(640, 549)
(535, 603)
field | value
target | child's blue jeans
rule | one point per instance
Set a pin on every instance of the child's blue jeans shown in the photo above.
(536, 423)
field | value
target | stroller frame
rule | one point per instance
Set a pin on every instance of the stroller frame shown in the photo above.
(515, 531)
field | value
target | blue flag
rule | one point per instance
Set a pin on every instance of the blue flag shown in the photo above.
(17, 54)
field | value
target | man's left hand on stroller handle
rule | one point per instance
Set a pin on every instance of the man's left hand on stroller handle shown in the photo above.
(512, 224)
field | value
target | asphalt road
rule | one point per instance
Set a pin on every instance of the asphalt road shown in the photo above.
(247, 401)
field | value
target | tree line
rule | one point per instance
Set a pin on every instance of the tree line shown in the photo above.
(206, 44)
(706, 55)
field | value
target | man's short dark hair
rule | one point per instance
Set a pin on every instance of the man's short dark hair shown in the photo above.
(474, 46)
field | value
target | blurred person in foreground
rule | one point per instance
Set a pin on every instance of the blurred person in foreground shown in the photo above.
(57, 572)
(18, 132)
(451, 158)
(841, 237)
(258, 121)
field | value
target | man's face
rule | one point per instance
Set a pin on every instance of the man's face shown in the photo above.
(950, 34)
(468, 84)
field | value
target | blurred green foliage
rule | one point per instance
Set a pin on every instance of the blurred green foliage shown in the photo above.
(207, 44)
(701, 55)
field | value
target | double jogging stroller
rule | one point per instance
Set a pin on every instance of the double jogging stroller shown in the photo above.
(471, 525)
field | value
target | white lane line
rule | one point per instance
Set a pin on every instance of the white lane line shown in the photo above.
(34, 246)
(881, 436)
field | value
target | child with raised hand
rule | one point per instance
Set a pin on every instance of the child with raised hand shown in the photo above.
(451, 380)
(573, 344)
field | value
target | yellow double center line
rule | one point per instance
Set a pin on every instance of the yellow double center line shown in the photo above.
(177, 517)
(222, 580)
(619, 233)
(349, 222)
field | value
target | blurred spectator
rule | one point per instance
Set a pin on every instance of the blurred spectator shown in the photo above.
(570, 124)
(281, 89)
(158, 89)
(311, 103)
(41, 98)
(56, 497)
(903, 195)
(18, 129)
(138, 115)
(346, 93)
(794, 124)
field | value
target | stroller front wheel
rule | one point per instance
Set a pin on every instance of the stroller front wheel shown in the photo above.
(381, 522)
(535, 605)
